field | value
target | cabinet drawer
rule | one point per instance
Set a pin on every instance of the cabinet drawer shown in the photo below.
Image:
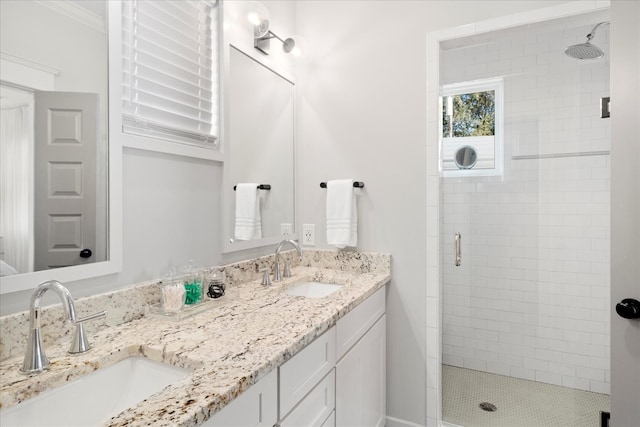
(255, 407)
(315, 407)
(302, 372)
(353, 326)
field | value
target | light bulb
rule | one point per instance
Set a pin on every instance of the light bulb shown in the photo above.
(254, 18)
(256, 12)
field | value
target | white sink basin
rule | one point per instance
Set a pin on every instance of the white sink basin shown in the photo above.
(93, 399)
(312, 289)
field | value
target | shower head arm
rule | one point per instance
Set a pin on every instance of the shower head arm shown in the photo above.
(592, 34)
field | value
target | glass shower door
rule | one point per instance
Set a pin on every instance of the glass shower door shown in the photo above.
(526, 313)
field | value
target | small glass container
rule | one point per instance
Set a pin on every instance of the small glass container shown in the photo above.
(215, 283)
(172, 295)
(193, 280)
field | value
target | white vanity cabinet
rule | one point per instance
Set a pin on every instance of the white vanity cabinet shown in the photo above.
(256, 407)
(339, 380)
(361, 366)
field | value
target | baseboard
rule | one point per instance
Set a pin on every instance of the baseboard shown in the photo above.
(396, 422)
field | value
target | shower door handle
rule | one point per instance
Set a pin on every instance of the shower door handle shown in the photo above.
(458, 250)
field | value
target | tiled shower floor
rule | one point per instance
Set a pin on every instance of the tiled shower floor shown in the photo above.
(520, 403)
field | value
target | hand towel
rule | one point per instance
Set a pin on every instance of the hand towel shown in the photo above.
(342, 214)
(248, 222)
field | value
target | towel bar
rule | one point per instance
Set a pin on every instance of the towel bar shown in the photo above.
(260, 187)
(356, 184)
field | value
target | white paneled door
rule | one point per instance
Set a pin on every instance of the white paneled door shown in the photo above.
(66, 137)
(625, 211)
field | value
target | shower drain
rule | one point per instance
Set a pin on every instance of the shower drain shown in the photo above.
(489, 407)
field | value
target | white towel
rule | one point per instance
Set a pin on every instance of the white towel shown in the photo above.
(342, 214)
(248, 222)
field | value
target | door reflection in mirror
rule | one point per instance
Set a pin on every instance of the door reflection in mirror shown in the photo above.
(49, 151)
(66, 136)
(54, 167)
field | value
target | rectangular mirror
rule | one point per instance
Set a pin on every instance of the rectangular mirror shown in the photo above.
(260, 144)
(56, 166)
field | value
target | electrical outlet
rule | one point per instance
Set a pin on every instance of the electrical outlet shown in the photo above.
(309, 234)
(286, 229)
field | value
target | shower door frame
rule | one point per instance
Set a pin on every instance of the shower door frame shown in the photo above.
(434, 275)
(625, 218)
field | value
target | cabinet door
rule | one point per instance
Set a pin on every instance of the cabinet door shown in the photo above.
(256, 407)
(358, 321)
(361, 381)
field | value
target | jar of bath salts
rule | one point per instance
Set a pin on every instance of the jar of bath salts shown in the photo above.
(193, 284)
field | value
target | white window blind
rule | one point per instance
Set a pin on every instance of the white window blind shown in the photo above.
(170, 77)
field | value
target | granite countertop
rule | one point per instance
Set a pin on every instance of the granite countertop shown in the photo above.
(229, 347)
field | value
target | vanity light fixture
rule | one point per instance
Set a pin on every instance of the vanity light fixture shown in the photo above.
(262, 38)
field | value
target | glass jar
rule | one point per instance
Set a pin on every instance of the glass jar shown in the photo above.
(172, 294)
(193, 280)
(216, 283)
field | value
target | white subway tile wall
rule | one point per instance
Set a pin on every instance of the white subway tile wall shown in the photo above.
(531, 298)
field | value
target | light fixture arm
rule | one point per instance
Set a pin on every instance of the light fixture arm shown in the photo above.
(263, 43)
(274, 35)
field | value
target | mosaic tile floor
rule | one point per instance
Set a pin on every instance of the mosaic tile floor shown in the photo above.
(520, 403)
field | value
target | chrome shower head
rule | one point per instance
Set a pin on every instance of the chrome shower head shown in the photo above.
(586, 50)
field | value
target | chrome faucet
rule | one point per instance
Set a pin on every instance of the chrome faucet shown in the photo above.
(35, 359)
(287, 270)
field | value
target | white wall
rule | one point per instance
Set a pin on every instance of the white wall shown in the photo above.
(37, 33)
(362, 114)
(531, 299)
(172, 211)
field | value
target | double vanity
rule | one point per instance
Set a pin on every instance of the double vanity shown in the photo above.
(307, 350)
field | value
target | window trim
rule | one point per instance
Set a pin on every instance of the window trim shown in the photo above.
(484, 85)
(157, 143)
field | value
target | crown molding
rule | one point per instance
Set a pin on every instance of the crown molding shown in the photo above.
(76, 12)
(28, 63)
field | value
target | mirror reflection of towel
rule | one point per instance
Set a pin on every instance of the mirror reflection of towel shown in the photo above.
(342, 214)
(248, 222)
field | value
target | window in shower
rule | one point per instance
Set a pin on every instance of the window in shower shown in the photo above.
(471, 128)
